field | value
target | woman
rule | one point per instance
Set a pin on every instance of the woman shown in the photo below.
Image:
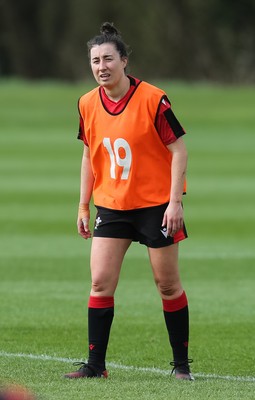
(134, 164)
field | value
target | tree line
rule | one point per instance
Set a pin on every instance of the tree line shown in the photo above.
(169, 39)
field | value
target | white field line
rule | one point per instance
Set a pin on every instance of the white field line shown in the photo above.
(159, 371)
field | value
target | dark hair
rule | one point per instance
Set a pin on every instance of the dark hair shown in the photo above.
(109, 34)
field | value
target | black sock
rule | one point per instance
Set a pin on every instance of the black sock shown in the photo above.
(100, 316)
(176, 315)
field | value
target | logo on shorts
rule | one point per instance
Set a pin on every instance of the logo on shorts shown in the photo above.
(98, 221)
(164, 232)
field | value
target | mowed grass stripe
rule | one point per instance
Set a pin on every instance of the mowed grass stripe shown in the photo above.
(38, 245)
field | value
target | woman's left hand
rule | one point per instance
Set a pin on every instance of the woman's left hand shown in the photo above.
(173, 218)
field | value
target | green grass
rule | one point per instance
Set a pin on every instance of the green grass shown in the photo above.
(44, 271)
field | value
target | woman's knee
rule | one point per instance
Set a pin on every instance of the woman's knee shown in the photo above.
(168, 288)
(103, 287)
(98, 287)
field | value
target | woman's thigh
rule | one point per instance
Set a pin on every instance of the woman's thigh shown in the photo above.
(106, 259)
(164, 262)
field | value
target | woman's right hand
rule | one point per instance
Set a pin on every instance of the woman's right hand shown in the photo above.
(83, 221)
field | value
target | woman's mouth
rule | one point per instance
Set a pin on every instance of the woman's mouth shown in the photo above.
(104, 76)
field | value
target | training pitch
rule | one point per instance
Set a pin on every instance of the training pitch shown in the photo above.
(45, 277)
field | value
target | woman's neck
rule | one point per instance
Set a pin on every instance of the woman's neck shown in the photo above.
(118, 92)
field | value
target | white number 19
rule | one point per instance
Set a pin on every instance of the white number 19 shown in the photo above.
(115, 157)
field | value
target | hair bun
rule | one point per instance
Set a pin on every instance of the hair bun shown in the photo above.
(107, 28)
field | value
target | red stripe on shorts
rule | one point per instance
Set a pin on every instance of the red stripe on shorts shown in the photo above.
(180, 235)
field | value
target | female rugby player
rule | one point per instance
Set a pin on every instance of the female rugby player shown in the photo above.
(134, 165)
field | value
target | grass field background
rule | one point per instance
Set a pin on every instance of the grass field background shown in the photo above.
(45, 279)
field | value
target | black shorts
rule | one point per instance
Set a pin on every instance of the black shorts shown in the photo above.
(143, 225)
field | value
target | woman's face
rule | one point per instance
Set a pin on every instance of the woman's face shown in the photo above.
(107, 65)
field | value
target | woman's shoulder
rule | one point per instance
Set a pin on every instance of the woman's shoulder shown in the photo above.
(151, 88)
(87, 97)
(90, 94)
